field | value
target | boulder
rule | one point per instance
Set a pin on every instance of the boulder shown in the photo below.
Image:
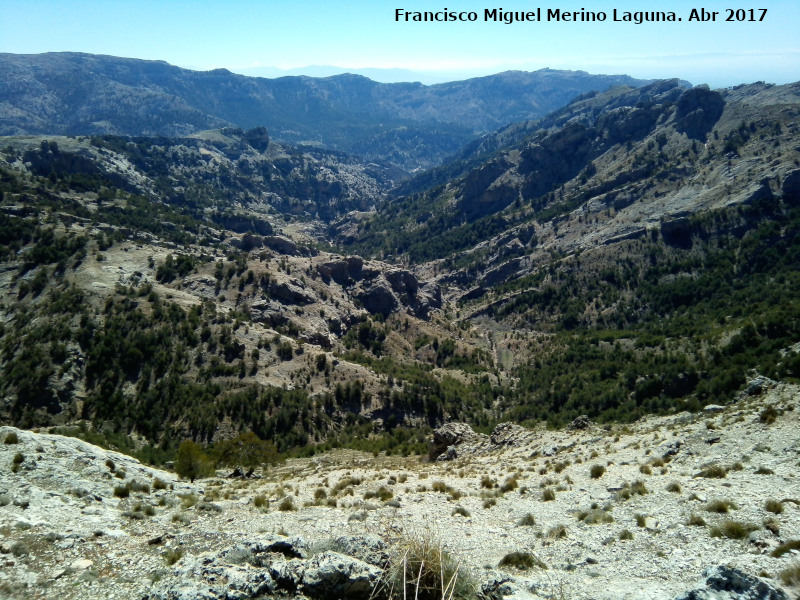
(331, 575)
(758, 384)
(378, 298)
(698, 110)
(579, 423)
(452, 434)
(726, 583)
(289, 293)
(369, 548)
(509, 434)
(790, 187)
(343, 271)
(281, 245)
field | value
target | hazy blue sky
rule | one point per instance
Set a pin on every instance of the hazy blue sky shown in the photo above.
(358, 34)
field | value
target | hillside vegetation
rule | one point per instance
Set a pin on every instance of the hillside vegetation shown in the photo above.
(634, 252)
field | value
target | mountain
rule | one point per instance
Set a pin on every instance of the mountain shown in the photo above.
(408, 124)
(634, 252)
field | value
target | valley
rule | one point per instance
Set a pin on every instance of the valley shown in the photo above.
(627, 260)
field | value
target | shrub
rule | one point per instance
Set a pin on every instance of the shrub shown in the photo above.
(733, 530)
(191, 462)
(774, 506)
(713, 472)
(11, 438)
(122, 491)
(557, 532)
(641, 520)
(595, 516)
(460, 510)
(159, 484)
(527, 521)
(287, 504)
(720, 506)
(646, 470)
(768, 415)
(548, 495)
(110, 464)
(696, 520)
(487, 482)
(137, 486)
(625, 534)
(489, 502)
(421, 568)
(791, 574)
(764, 471)
(772, 525)
(674, 487)
(509, 484)
(785, 548)
(261, 501)
(597, 471)
(521, 560)
(18, 459)
(171, 556)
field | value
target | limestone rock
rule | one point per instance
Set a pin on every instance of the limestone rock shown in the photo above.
(580, 423)
(331, 575)
(452, 434)
(726, 583)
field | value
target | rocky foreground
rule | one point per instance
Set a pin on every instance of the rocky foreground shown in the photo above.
(590, 512)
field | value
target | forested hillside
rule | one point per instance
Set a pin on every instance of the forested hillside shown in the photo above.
(634, 252)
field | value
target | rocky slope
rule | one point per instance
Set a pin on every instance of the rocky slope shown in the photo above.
(407, 124)
(606, 513)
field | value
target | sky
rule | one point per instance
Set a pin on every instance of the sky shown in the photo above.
(261, 37)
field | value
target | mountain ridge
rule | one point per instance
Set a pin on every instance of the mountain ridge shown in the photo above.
(409, 124)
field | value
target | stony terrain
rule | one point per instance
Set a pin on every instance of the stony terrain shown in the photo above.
(77, 521)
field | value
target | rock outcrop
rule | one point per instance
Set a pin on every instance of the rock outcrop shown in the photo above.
(725, 583)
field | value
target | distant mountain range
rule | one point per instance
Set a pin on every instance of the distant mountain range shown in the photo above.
(409, 124)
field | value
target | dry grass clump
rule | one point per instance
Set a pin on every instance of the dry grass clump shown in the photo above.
(383, 493)
(696, 521)
(522, 561)
(510, 484)
(791, 574)
(159, 484)
(764, 471)
(460, 510)
(261, 501)
(720, 506)
(595, 516)
(488, 483)
(637, 488)
(344, 483)
(287, 504)
(674, 487)
(768, 415)
(557, 532)
(548, 495)
(625, 534)
(774, 506)
(421, 568)
(785, 548)
(733, 530)
(596, 471)
(11, 438)
(713, 472)
(527, 521)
